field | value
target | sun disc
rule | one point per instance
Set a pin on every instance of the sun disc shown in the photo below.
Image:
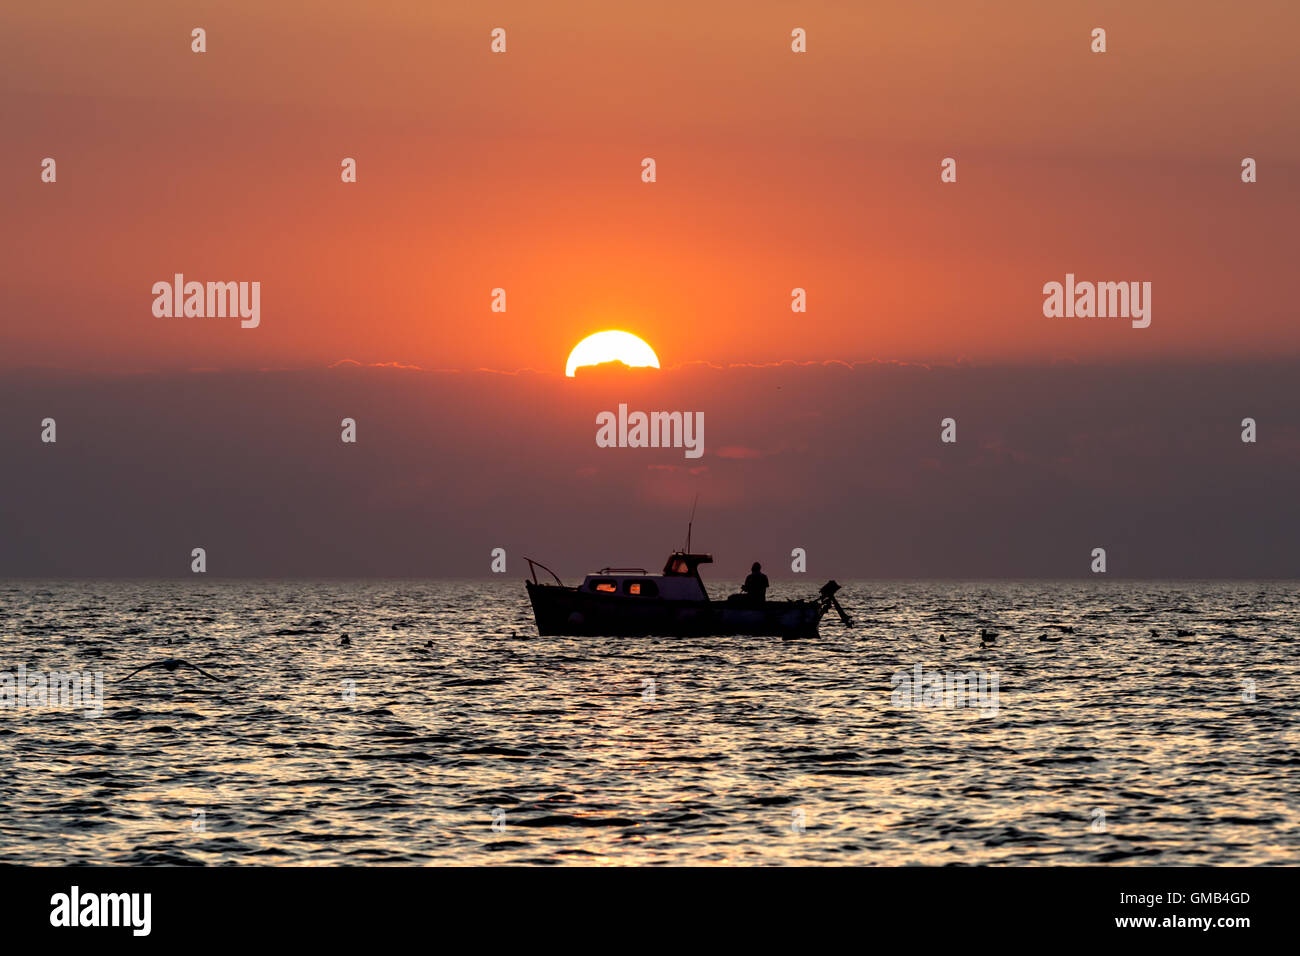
(611, 346)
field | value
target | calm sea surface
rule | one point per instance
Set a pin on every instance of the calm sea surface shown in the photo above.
(450, 733)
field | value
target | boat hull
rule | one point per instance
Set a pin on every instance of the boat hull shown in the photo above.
(563, 611)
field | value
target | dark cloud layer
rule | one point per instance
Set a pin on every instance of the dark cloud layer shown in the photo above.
(1050, 463)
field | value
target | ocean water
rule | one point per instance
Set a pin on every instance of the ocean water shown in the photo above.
(448, 732)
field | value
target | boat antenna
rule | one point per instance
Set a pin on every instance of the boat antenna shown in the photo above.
(691, 522)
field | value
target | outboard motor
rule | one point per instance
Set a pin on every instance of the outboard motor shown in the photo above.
(828, 600)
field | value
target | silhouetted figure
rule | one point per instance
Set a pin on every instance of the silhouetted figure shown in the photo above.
(756, 584)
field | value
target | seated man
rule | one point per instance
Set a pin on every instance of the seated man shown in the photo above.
(756, 584)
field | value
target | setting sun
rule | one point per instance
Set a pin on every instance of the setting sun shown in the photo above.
(611, 346)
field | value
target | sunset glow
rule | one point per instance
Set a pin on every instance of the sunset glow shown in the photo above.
(953, 530)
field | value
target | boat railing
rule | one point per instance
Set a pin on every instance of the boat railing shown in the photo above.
(622, 571)
(532, 570)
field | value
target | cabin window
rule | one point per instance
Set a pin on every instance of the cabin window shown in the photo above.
(605, 585)
(679, 566)
(643, 588)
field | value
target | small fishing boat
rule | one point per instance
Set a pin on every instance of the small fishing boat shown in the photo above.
(629, 602)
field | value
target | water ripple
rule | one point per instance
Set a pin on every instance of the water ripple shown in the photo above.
(1109, 743)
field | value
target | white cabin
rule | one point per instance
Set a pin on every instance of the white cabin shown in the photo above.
(680, 580)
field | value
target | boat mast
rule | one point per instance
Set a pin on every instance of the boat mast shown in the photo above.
(690, 522)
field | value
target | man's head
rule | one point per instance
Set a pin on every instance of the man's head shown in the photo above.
(756, 568)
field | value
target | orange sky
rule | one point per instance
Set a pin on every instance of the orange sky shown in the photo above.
(522, 171)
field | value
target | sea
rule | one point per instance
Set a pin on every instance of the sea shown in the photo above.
(1116, 722)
